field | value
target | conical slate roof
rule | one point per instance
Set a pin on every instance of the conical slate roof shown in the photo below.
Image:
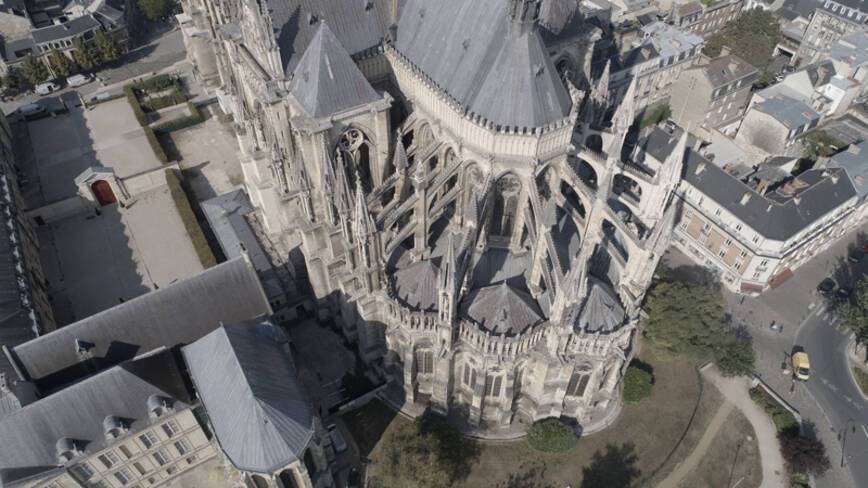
(522, 88)
(502, 309)
(602, 312)
(260, 414)
(327, 80)
(416, 285)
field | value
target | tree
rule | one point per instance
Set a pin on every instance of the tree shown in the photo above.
(637, 384)
(84, 55)
(15, 80)
(855, 313)
(428, 453)
(61, 64)
(106, 47)
(688, 318)
(154, 10)
(752, 37)
(551, 435)
(803, 454)
(819, 144)
(34, 70)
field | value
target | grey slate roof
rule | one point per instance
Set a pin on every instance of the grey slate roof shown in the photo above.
(855, 161)
(416, 285)
(326, 80)
(601, 312)
(357, 27)
(74, 27)
(470, 51)
(778, 218)
(789, 112)
(726, 69)
(12, 48)
(852, 49)
(78, 411)
(246, 381)
(177, 314)
(502, 309)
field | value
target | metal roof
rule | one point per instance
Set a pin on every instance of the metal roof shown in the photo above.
(726, 69)
(177, 314)
(30, 435)
(502, 309)
(326, 80)
(855, 161)
(601, 312)
(851, 49)
(473, 52)
(416, 285)
(244, 376)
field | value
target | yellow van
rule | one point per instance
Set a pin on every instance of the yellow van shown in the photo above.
(801, 366)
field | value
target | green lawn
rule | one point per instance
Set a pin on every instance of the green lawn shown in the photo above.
(861, 380)
(641, 447)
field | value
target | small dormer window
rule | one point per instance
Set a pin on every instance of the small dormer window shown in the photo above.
(114, 427)
(159, 406)
(68, 449)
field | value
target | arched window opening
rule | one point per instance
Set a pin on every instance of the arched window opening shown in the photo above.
(424, 361)
(505, 206)
(356, 154)
(578, 384)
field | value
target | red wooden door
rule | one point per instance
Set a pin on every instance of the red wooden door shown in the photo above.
(104, 193)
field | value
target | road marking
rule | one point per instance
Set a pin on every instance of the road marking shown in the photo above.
(864, 430)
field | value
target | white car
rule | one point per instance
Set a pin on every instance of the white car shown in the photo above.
(46, 88)
(338, 441)
(79, 80)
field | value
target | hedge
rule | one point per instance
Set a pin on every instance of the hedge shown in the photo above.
(159, 152)
(551, 435)
(140, 114)
(181, 123)
(177, 96)
(194, 230)
(782, 418)
(155, 83)
(637, 384)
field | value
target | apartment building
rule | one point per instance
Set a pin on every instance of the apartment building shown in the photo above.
(756, 231)
(704, 18)
(658, 58)
(831, 20)
(130, 425)
(713, 94)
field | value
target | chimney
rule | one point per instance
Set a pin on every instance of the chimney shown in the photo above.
(700, 168)
(745, 198)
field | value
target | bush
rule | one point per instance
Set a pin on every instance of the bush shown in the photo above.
(159, 152)
(782, 418)
(177, 96)
(659, 114)
(156, 83)
(194, 230)
(182, 123)
(803, 454)
(637, 384)
(551, 435)
(140, 114)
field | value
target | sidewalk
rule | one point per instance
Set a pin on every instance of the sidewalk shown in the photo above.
(735, 390)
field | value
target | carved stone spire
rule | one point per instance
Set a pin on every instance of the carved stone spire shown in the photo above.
(363, 223)
(399, 161)
(600, 93)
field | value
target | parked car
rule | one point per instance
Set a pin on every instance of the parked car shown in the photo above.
(31, 109)
(856, 255)
(801, 364)
(826, 287)
(338, 441)
(79, 80)
(46, 88)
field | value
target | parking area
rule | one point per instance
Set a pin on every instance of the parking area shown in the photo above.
(103, 256)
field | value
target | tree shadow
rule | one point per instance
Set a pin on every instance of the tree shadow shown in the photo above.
(614, 468)
(639, 364)
(529, 477)
(458, 452)
(693, 274)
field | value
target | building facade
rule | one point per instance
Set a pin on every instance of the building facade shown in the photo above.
(703, 19)
(831, 21)
(756, 233)
(714, 94)
(454, 222)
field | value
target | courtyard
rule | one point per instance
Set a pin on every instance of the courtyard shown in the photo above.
(95, 258)
(632, 452)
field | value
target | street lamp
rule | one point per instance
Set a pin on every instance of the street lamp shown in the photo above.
(843, 437)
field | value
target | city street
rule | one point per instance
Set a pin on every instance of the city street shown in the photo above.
(830, 401)
(161, 52)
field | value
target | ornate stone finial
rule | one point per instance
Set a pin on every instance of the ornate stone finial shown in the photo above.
(399, 161)
(363, 223)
